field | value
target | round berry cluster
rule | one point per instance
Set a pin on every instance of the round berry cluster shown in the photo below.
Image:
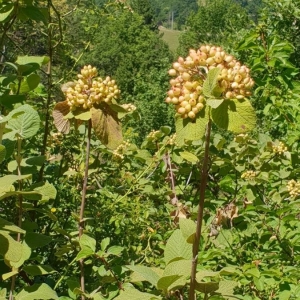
(119, 152)
(280, 148)
(88, 90)
(248, 175)
(293, 187)
(186, 91)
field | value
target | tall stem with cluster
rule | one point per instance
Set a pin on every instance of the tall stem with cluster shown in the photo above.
(83, 199)
(204, 176)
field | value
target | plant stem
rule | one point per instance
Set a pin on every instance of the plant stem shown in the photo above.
(204, 176)
(84, 188)
(20, 211)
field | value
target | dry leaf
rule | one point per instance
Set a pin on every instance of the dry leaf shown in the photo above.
(107, 126)
(61, 109)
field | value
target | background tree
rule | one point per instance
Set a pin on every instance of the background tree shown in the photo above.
(217, 22)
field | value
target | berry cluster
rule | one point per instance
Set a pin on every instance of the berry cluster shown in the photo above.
(186, 93)
(293, 187)
(129, 107)
(172, 139)
(154, 135)
(249, 175)
(280, 148)
(88, 90)
(55, 139)
(119, 152)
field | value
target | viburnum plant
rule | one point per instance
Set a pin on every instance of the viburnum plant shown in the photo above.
(209, 85)
(91, 99)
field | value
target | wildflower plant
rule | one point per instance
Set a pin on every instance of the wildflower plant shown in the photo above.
(93, 98)
(208, 86)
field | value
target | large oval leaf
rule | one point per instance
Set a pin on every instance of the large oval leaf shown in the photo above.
(25, 123)
(235, 115)
(187, 129)
(107, 127)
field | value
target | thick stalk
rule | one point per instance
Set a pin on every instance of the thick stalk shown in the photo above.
(204, 176)
(83, 198)
(49, 92)
(20, 212)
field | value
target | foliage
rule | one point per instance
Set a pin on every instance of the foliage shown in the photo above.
(217, 22)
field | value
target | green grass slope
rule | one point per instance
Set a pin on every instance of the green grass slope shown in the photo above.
(171, 37)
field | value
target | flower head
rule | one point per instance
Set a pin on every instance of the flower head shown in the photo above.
(186, 93)
(88, 90)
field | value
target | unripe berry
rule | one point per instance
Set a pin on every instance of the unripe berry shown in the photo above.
(181, 110)
(191, 115)
(188, 107)
(172, 72)
(200, 106)
(186, 76)
(176, 65)
(210, 61)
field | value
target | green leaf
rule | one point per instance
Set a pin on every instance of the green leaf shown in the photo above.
(235, 115)
(2, 153)
(206, 287)
(37, 291)
(10, 147)
(5, 11)
(36, 240)
(189, 156)
(8, 226)
(173, 281)
(285, 295)
(133, 294)
(104, 243)
(214, 103)
(29, 83)
(6, 183)
(254, 272)
(36, 160)
(177, 248)
(33, 13)
(84, 253)
(211, 82)
(84, 116)
(38, 270)
(107, 127)
(187, 129)
(9, 100)
(42, 191)
(179, 267)
(25, 125)
(226, 287)
(25, 255)
(86, 241)
(40, 60)
(9, 247)
(205, 273)
(5, 276)
(147, 273)
(188, 229)
(115, 250)
(165, 129)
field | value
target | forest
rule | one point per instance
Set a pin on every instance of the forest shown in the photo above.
(149, 149)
